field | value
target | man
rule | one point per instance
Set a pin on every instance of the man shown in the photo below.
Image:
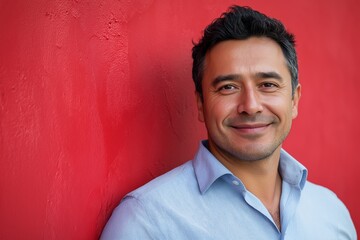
(241, 183)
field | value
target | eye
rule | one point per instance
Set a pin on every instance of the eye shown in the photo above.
(227, 89)
(268, 86)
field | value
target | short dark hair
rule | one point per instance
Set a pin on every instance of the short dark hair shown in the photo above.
(242, 23)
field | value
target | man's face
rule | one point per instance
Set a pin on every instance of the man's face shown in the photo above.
(247, 103)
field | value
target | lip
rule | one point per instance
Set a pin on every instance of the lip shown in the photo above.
(252, 125)
(254, 128)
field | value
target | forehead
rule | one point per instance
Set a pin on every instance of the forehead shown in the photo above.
(255, 54)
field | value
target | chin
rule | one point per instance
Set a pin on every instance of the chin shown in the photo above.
(253, 153)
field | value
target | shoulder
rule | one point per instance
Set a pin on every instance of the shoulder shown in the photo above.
(318, 189)
(143, 212)
(324, 207)
(173, 188)
(318, 194)
(176, 180)
(320, 199)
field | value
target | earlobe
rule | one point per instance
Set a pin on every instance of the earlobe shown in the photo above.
(296, 99)
(199, 101)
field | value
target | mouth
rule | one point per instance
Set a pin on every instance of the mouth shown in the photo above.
(250, 126)
(253, 128)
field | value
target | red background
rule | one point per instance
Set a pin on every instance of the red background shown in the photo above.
(96, 98)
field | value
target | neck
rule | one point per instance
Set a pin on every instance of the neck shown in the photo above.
(262, 179)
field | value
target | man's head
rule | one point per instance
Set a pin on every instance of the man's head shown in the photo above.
(242, 23)
(245, 72)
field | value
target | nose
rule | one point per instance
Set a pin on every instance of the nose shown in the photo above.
(249, 102)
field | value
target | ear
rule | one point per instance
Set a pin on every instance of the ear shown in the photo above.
(295, 101)
(200, 106)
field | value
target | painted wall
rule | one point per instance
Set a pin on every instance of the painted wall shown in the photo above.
(96, 98)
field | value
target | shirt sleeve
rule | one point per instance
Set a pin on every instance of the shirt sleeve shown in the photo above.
(345, 227)
(129, 221)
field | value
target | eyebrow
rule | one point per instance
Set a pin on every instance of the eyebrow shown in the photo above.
(259, 75)
(223, 78)
(265, 75)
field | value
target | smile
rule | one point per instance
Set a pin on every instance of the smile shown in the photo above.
(251, 128)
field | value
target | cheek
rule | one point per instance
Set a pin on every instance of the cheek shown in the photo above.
(281, 106)
(220, 108)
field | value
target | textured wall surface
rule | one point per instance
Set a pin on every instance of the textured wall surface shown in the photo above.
(96, 98)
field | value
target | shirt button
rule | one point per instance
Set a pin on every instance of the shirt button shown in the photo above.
(236, 182)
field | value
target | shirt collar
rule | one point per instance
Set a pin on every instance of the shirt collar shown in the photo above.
(292, 171)
(208, 169)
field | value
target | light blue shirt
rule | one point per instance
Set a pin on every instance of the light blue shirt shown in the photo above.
(202, 199)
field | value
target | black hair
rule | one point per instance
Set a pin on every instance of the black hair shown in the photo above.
(240, 23)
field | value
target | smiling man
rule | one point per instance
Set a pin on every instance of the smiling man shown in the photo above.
(241, 183)
(248, 105)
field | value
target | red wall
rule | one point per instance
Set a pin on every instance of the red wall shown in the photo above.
(96, 98)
